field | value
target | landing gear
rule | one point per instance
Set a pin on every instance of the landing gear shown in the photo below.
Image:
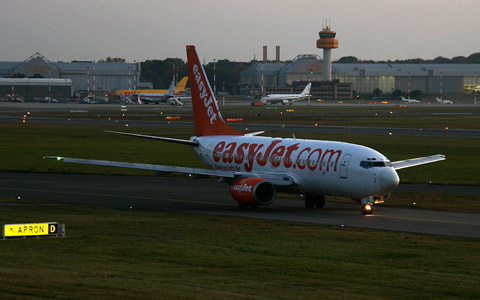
(366, 209)
(245, 206)
(317, 200)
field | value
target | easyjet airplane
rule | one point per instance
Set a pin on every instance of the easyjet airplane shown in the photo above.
(258, 167)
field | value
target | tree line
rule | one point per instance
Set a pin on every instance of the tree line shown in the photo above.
(471, 59)
(160, 72)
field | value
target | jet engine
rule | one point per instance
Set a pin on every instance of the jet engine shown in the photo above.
(253, 191)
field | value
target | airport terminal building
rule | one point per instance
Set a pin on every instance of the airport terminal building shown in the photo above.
(360, 78)
(83, 76)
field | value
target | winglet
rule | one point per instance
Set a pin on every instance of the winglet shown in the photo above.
(207, 117)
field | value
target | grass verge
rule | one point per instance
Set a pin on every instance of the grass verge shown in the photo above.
(129, 254)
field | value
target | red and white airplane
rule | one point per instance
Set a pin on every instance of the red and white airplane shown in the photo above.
(257, 167)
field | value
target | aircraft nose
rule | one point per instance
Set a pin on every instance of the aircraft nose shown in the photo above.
(388, 179)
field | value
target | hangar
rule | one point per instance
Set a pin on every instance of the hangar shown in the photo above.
(84, 75)
(363, 77)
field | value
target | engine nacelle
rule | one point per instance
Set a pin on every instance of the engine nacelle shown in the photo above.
(253, 190)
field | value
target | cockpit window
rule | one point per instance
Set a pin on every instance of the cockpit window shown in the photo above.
(375, 164)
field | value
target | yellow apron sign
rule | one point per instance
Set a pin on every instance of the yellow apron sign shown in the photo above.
(31, 229)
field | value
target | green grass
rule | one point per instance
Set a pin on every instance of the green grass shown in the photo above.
(129, 254)
(24, 145)
(455, 202)
(410, 117)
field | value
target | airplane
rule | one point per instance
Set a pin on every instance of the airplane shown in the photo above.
(179, 88)
(409, 100)
(287, 98)
(444, 101)
(155, 97)
(257, 167)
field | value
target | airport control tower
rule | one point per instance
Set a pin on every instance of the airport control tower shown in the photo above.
(327, 42)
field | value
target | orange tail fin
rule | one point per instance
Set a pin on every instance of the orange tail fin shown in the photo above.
(206, 114)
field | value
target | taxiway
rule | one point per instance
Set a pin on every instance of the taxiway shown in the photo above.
(208, 196)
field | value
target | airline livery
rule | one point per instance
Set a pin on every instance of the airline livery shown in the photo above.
(258, 167)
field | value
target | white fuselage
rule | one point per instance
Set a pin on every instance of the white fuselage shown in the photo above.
(318, 167)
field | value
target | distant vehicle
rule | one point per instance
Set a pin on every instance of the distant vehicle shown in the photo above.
(441, 101)
(287, 98)
(409, 100)
(257, 167)
(92, 100)
(175, 101)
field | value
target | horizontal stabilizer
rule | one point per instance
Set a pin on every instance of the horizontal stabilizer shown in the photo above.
(401, 164)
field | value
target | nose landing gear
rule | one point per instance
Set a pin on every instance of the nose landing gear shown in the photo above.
(366, 209)
(367, 205)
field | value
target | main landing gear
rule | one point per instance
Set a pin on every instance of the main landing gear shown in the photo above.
(314, 200)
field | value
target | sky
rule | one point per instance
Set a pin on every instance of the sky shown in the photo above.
(66, 30)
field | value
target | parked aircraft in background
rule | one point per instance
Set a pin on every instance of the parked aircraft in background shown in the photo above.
(444, 101)
(179, 88)
(409, 100)
(154, 97)
(258, 167)
(287, 98)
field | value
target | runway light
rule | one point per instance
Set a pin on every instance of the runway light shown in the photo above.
(446, 128)
(342, 225)
(316, 124)
(126, 125)
(414, 203)
(18, 197)
(389, 133)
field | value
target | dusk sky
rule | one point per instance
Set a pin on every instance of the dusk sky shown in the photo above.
(65, 30)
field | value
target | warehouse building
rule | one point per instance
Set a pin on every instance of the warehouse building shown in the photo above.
(84, 75)
(362, 77)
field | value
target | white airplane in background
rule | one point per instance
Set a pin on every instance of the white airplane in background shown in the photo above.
(444, 101)
(409, 100)
(287, 98)
(154, 97)
(258, 167)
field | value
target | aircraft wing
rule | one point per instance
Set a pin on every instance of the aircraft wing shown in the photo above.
(274, 178)
(179, 141)
(160, 168)
(401, 164)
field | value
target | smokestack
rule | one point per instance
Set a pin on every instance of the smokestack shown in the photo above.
(265, 58)
(278, 54)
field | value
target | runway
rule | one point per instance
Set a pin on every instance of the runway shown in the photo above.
(208, 196)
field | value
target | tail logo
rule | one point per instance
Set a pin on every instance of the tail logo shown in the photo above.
(207, 101)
